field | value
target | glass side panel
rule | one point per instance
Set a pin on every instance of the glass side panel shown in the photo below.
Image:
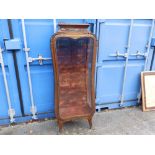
(74, 57)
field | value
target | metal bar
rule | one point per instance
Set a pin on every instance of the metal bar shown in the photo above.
(148, 50)
(126, 62)
(139, 54)
(11, 111)
(33, 107)
(16, 68)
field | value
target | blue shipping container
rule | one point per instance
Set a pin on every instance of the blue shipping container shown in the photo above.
(27, 78)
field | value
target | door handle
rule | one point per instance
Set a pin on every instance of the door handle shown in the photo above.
(40, 58)
(117, 54)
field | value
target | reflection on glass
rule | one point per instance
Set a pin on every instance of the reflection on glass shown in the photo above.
(74, 58)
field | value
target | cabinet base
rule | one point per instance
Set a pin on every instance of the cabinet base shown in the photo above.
(61, 123)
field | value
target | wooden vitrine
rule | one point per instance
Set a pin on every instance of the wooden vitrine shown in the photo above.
(74, 56)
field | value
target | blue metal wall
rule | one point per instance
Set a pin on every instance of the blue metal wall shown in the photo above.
(118, 55)
(113, 38)
(10, 76)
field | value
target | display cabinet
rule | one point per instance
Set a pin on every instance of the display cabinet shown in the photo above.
(74, 56)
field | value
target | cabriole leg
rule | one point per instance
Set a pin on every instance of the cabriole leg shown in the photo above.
(90, 122)
(60, 124)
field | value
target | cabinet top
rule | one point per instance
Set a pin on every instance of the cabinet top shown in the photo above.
(74, 31)
(73, 26)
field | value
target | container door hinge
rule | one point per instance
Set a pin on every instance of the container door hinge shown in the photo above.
(12, 44)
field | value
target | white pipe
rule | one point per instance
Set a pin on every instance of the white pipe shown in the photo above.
(147, 52)
(33, 108)
(10, 111)
(127, 59)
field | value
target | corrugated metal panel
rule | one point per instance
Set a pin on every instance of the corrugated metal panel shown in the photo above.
(38, 34)
(117, 73)
(10, 77)
(113, 38)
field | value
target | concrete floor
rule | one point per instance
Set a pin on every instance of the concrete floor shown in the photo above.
(130, 121)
